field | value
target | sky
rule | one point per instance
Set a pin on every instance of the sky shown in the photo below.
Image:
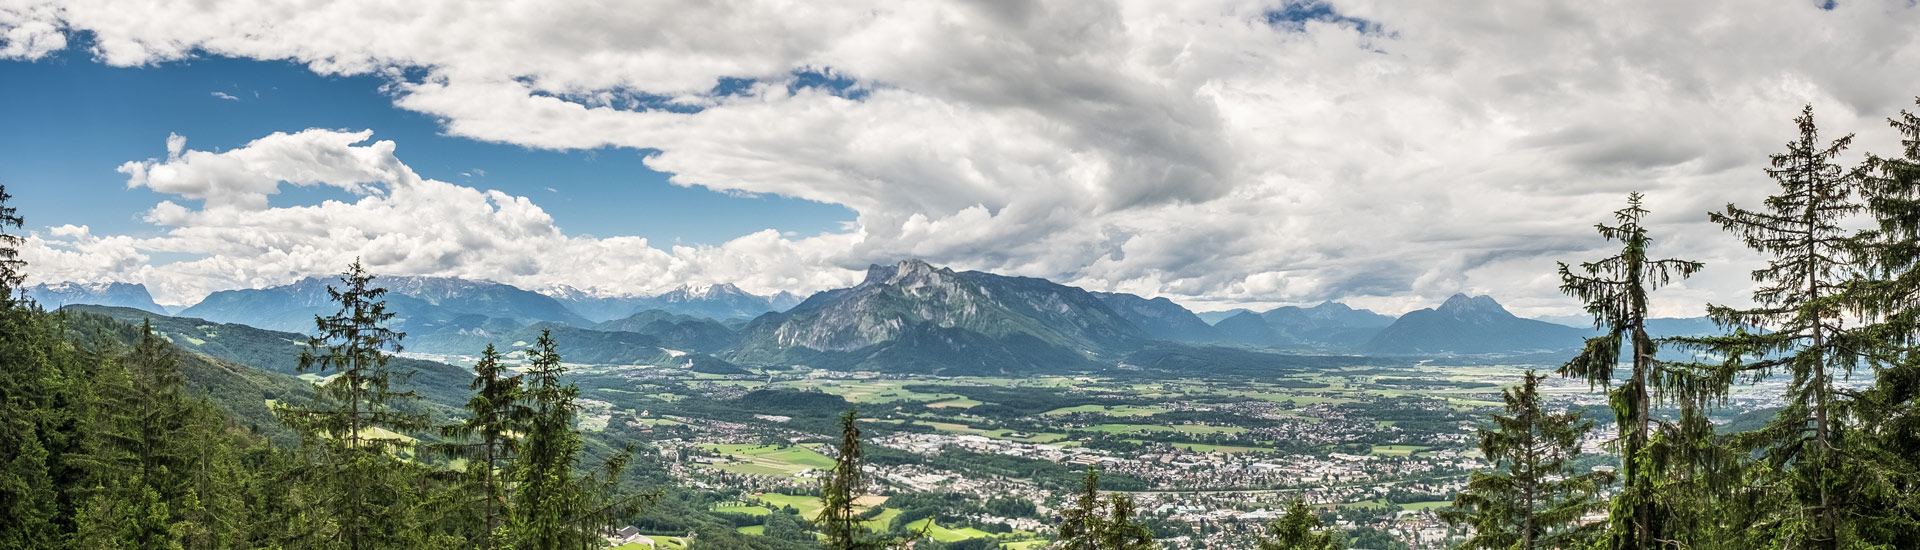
(1220, 153)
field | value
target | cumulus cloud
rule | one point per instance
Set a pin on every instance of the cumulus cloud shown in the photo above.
(401, 224)
(1219, 152)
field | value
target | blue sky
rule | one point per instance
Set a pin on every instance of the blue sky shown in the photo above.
(71, 121)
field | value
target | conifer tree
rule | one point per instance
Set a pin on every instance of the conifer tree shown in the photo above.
(1615, 291)
(1803, 310)
(839, 519)
(12, 268)
(1097, 524)
(1887, 452)
(139, 423)
(1124, 531)
(28, 508)
(1081, 525)
(549, 500)
(485, 439)
(213, 512)
(364, 490)
(1533, 499)
(1299, 529)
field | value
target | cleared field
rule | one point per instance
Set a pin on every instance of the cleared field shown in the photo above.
(661, 542)
(944, 534)
(808, 506)
(1426, 505)
(1182, 428)
(769, 460)
(883, 521)
(961, 403)
(1110, 410)
(1397, 450)
(748, 510)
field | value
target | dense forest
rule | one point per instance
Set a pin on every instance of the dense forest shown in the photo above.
(113, 437)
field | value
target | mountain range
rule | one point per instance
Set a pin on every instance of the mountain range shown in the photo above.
(907, 317)
(721, 302)
(1469, 325)
(58, 295)
(915, 317)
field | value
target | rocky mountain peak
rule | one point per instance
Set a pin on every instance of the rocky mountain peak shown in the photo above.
(1460, 304)
(907, 271)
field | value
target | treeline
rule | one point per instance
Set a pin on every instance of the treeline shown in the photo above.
(103, 443)
(1837, 465)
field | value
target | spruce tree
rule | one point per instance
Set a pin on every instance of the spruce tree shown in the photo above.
(1533, 499)
(363, 491)
(28, 500)
(1082, 525)
(548, 501)
(485, 439)
(138, 426)
(839, 518)
(1887, 451)
(12, 268)
(1102, 524)
(1615, 290)
(1299, 529)
(1802, 328)
(1123, 530)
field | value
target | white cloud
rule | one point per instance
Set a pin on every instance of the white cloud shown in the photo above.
(30, 32)
(225, 96)
(1188, 149)
(402, 224)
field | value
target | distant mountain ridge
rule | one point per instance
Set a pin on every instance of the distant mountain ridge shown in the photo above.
(1471, 325)
(1329, 326)
(916, 317)
(1160, 318)
(723, 301)
(114, 294)
(422, 305)
(906, 317)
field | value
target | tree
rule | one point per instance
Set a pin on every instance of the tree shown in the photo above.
(1615, 290)
(1533, 499)
(1803, 307)
(495, 413)
(1094, 524)
(549, 497)
(352, 427)
(1081, 525)
(138, 459)
(839, 520)
(1299, 529)
(1887, 451)
(12, 268)
(1122, 531)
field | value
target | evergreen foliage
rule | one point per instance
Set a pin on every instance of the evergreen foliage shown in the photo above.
(485, 439)
(839, 521)
(1102, 524)
(1534, 498)
(361, 492)
(1615, 290)
(1299, 529)
(1887, 441)
(1807, 318)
